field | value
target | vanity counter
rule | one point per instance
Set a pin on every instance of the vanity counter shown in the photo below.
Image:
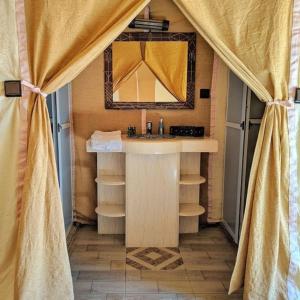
(154, 185)
(164, 145)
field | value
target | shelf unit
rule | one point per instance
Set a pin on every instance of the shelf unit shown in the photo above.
(110, 192)
(111, 180)
(111, 210)
(189, 185)
(191, 179)
(190, 210)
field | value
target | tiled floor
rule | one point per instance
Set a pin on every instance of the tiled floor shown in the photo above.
(100, 271)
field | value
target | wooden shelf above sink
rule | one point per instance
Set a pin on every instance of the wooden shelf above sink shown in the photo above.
(190, 210)
(191, 179)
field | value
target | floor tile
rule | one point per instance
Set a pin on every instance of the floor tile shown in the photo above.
(91, 297)
(207, 287)
(141, 286)
(222, 255)
(185, 297)
(196, 240)
(151, 296)
(105, 248)
(108, 287)
(217, 297)
(133, 275)
(77, 255)
(112, 255)
(217, 275)
(115, 297)
(82, 287)
(78, 248)
(89, 264)
(206, 265)
(178, 287)
(194, 275)
(101, 275)
(117, 265)
(164, 275)
(193, 255)
(213, 248)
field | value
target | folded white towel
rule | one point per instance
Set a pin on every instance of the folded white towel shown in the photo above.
(106, 141)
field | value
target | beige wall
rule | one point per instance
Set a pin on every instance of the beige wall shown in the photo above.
(89, 113)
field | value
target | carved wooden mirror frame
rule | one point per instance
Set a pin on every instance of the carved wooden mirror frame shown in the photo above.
(152, 36)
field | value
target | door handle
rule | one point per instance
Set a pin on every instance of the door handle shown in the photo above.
(62, 126)
(242, 125)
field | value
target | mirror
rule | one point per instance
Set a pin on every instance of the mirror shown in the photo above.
(151, 71)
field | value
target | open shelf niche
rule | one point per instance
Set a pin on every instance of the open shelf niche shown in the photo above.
(189, 185)
(111, 192)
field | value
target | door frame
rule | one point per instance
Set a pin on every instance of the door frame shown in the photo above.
(241, 126)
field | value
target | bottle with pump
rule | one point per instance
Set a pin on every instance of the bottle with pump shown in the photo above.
(161, 128)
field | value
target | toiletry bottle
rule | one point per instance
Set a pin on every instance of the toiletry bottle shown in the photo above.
(161, 128)
(149, 128)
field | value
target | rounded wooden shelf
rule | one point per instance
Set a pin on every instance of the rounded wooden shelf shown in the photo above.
(191, 179)
(111, 179)
(190, 210)
(111, 210)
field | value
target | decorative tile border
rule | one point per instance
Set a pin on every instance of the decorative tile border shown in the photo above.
(153, 258)
(190, 37)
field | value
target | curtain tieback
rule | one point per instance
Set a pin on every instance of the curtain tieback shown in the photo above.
(285, 103)
(33, 88)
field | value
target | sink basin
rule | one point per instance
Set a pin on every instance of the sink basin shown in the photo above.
(152, 136)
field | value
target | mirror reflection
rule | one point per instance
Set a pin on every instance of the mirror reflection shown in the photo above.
(149, 71)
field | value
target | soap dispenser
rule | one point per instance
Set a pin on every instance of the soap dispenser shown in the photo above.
(161, 128)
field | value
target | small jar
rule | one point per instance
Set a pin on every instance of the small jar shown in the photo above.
(149, 127)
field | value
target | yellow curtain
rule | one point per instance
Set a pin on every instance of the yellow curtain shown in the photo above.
(123, 68)
(9, 141)
(163, 58)
(63, 38)
(253, 38)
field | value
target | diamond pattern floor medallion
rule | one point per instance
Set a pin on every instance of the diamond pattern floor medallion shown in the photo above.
(153, 258)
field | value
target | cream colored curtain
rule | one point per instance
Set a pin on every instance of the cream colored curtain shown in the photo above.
(9, 138)
(254, 38)
(63, 38)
